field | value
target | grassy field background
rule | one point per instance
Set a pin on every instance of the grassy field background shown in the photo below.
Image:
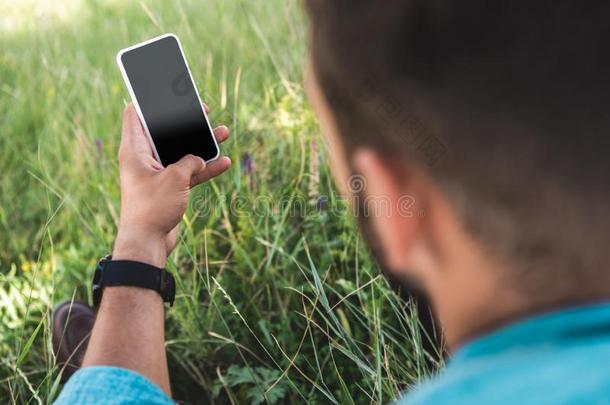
(278, 300)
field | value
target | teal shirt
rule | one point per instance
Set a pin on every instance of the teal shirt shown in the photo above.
(110, 386)
(557, 358)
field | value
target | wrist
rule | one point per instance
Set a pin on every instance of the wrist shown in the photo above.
(140, 247)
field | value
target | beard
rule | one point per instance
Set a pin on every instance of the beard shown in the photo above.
(405, 286)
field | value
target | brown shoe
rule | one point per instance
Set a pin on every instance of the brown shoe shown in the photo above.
(72, 325)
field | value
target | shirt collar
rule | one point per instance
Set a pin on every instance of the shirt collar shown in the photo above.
(560, 327)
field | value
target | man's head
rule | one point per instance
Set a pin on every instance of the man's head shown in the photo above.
(491, 117)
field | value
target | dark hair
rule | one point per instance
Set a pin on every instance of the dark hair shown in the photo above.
(506, 104)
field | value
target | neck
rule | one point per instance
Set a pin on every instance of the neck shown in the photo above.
(472, 318)
(471, 294)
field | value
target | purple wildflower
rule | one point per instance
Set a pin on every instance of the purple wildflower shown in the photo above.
(247, 164)
(322, 202)
(98, 145)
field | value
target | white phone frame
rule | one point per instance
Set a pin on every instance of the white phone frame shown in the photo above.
(135, 100)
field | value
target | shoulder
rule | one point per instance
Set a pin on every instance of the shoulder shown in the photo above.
(548, 376)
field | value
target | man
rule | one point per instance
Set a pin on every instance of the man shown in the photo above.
(491, 117)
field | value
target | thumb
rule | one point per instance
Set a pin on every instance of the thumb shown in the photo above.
(187, 167)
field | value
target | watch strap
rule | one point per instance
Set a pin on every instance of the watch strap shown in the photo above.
(129, 273)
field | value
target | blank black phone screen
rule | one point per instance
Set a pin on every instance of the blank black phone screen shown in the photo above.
(168, 101)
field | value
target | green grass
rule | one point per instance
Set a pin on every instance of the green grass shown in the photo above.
(278, 301)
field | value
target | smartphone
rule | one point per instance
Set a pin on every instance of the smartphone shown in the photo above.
(165, 97)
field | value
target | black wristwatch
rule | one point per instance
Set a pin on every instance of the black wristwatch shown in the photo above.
(110, 272)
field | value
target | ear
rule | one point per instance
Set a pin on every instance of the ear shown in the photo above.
(394, 203)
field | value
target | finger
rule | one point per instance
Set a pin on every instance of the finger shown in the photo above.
(212, 170)
(133, 139)
(186, 168)
(206, 108)
(221, 133)
(131, 122)
(129, 128)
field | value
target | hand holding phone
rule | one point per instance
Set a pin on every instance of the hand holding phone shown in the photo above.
(166, 100)
(153, 197)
